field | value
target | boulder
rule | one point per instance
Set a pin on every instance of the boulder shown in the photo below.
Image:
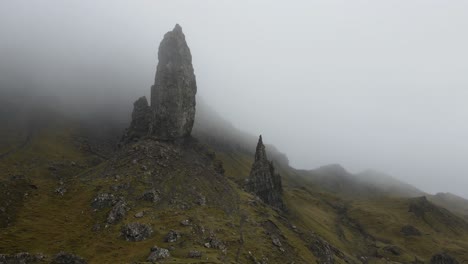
(172, 236)
(21, 258)
(67, 258)
(117, 213)
(409, 230)
(157, 254)
(151, 196)
(103, 200)
(194, 254)
(443, 258)
(136, 231)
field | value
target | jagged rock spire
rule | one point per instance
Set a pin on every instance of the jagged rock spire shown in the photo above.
(172, 111)
(260, 152)
(141, 120)
(174, 89)
(263, 181)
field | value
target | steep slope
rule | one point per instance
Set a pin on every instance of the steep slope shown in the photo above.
(336, 179)
(452, 202)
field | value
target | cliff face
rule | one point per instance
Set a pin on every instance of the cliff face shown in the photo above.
(172, 111)
(174, 89)
(263, 181)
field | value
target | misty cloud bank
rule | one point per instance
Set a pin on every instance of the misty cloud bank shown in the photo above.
(378, 84)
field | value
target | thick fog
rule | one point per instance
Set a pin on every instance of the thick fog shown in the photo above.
(367, 84)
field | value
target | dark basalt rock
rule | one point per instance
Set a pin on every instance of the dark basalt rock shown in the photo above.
(174, 89)
(172, 236)
(136, 232)
(141, 120)
(157, 254)
(420, 206)
(409, 230)
(172, 112)
(103, 200)
(21, 258)
(194, 254)
(443, 258)
(263, 181)
(67, 258)
(117, 213)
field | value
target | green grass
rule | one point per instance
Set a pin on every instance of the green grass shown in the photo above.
(48, 223)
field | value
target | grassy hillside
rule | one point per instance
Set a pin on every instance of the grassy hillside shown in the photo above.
(49, 180)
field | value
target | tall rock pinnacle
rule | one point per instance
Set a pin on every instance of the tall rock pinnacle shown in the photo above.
(172, 111)
(263, 181)
(174, 89)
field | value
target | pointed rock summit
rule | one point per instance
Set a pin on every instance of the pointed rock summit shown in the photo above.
(263, 181)
(172, 112)
(174, 89)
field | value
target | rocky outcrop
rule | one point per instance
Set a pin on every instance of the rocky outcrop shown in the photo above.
(172, 236)
(117, 213)
(443, 258)
(21, 258)
(263, 181)
(104, 200)
(409, 230)
(136, 232)
(141, 120)
(67, 258)
(174, 89)
(158, 254)
(172, 112)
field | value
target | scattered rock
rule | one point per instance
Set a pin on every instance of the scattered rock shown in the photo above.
(151, 196)
(393, 249)
(215, 243)
(322, 250)
(103, 200)
(185, 222)
(117, 213)
(21, 258)
(409, 230)
(67, 258)
(139, 214)
(263, 180)
(443, 258)
(61, 190)
(120, 187)
(158, 253)
(201, 201)
(136, 231)
(172, 236)
(194, 254)
(276, 241)
(96, 228)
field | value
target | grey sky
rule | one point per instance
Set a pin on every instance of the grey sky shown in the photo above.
(367, 84)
